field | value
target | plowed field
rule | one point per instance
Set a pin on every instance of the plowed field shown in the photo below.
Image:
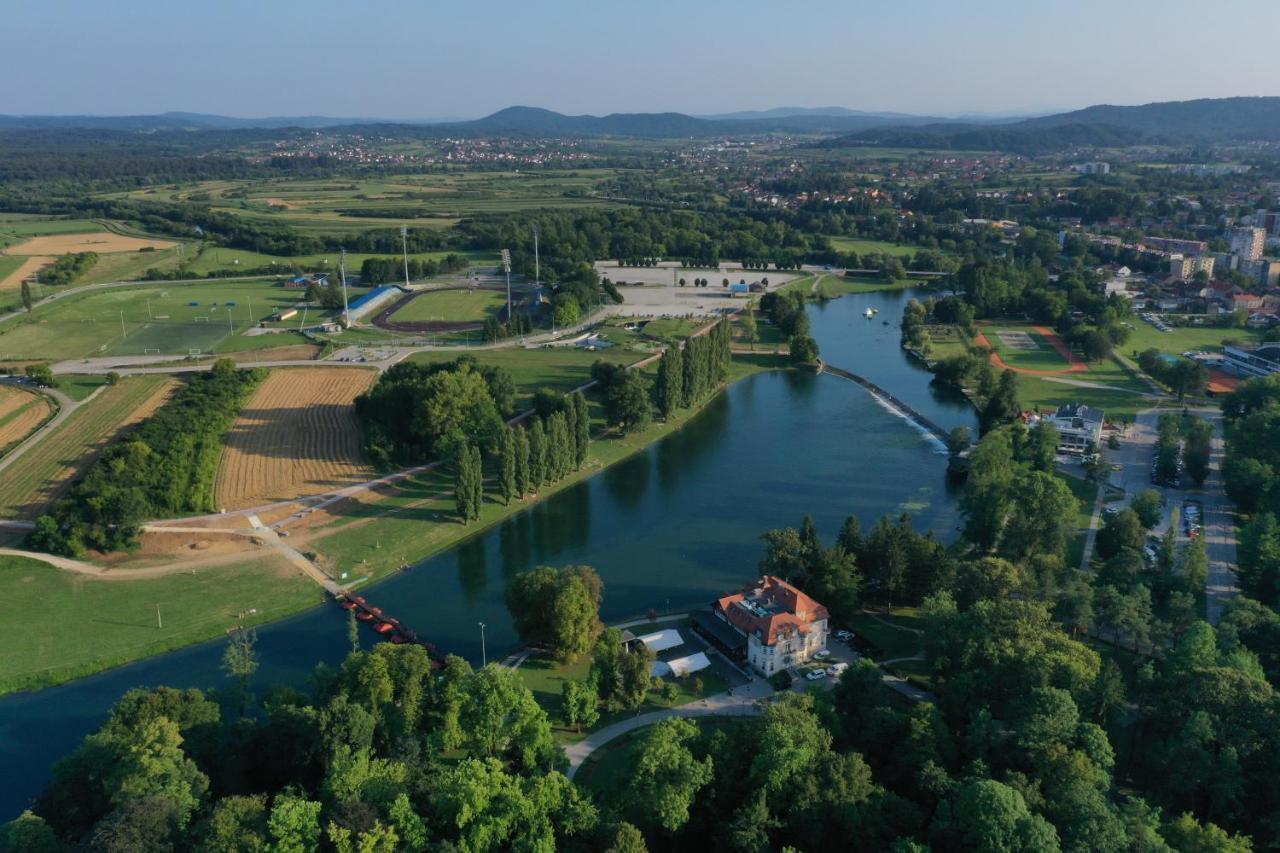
(298, 435)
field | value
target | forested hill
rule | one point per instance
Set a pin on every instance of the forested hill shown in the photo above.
(1205, 120)
(1211, 119)
(1016, 138)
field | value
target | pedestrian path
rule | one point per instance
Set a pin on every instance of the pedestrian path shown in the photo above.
(741, 701)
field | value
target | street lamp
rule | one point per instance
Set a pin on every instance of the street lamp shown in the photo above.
(506, 268)
(484, 658)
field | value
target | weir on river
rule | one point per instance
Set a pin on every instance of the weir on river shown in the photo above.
(919, 419)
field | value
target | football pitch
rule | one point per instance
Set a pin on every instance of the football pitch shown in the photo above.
(153, 319)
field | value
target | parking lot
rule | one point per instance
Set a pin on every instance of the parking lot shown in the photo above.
(656, 292)
(1206, 504)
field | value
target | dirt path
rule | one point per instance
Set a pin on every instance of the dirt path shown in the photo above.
(81, 567)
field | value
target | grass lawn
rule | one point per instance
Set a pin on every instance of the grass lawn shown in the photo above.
(559, 368)
(866, 247)
(608, 771)
(670, 330)
(9, 263)
(80, 385)
(149, 319)
(219, 259)
(1036, 392)
(1086, 493)
(452, 306)
(893, 642)
(91, 624)
(546, 678)
(1044, 357)
(1106, 372)
(835, 285)
(946, 341)
(1184, 338)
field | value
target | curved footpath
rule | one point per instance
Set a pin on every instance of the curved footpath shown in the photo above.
(745, 701)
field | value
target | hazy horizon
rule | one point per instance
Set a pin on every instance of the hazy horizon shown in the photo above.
(402, 60)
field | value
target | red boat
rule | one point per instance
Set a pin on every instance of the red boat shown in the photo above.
(347, 604)
(384, 627)
(364, 616)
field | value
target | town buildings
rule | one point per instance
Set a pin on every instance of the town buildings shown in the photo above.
(1248, 243)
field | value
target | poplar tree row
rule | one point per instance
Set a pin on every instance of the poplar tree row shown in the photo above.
(687, 374)
(546, 451)
(468, 482)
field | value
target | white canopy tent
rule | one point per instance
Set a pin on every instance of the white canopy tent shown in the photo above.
(660, 641)
(680, 667)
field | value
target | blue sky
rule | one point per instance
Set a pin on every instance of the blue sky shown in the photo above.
(399, 58)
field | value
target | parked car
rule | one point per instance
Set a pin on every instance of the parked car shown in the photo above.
(844, 635)
(816, 674)
(822, 654)
(837, 668)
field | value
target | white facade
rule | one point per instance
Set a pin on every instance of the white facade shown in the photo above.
(1248, 243)
(790, 650)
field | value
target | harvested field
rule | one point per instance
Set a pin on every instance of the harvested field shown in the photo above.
(298, 435)
(97, 241)
(21, 412)
(26, 270)
(28, 485)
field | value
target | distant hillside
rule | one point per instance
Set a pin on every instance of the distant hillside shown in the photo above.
(791, 112)
(1013, 139)
(1211, 119)
(1206, 120)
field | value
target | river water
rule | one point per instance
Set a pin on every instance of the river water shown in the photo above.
(667, 529)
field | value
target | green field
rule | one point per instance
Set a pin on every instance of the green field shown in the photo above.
(546, 677)
(1086, 494)
(340, 206)
(9, 263)
(471, 305)
(27, 485)
(132, 266)
(1184, 338)
(1035, 392)
(23, 228)
(150, 319)
(864, 247)
(558, 368)
(88, 624)
(1106, 372)
(1045, 357)
(219, 259)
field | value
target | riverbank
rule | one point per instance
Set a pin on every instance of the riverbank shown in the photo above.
(93, 625)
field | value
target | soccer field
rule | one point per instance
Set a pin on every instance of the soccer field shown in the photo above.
(153, 319)
(452, 306)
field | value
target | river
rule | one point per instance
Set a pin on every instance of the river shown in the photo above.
(667, 529)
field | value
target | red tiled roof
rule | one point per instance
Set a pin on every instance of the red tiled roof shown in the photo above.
(772, 607)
